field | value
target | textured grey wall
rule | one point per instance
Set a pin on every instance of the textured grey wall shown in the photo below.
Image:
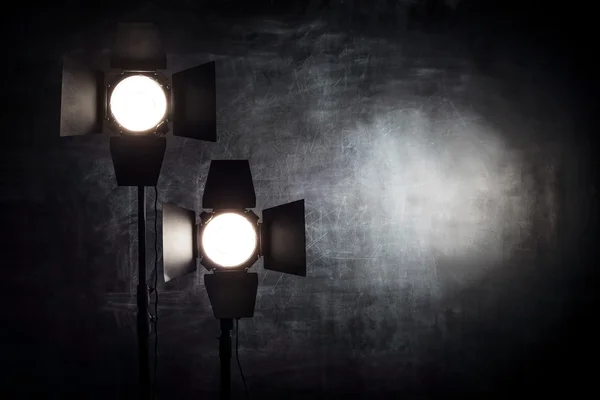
(440, 203)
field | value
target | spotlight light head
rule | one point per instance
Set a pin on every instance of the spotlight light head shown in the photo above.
(138, 46)
(138, 103)
(141, 101)
(228, 240)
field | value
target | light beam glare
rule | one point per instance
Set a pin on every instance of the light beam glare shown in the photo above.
(138, 103)
(229, 240)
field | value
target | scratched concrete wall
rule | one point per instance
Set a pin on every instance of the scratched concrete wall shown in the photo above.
(435, 195)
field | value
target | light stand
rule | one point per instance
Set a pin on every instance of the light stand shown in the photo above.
(225, 357)
(143, 328)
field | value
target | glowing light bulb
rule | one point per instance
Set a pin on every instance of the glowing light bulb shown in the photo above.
(229, 240)
(138, 103)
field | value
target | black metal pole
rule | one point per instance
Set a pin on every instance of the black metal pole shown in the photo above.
(142, 299)
(225, 356)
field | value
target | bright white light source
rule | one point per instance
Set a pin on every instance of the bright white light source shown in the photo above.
(229, 240)
(138, 103)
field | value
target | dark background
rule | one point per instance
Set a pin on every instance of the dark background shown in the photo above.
(446, 156)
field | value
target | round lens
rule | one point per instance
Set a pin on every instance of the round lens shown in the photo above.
(229, 240)
(138, 103)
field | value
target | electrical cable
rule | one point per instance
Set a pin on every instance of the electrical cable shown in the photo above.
(237, 355)
(155, 291)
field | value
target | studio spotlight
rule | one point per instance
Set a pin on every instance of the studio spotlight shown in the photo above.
(228, 235)
(228, 239)
(127, 96)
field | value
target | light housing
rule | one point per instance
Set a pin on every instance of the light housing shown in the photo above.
(280, 237)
